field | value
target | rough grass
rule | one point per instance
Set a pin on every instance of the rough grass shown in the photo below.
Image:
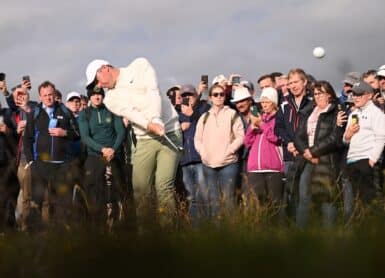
(232, 246)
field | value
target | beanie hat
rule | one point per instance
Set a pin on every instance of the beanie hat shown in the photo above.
(271, 94)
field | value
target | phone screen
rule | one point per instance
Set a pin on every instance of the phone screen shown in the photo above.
(52, 123)
(354, 119)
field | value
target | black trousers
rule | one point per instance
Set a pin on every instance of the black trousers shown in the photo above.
(56, 179)
(267, 186)
(9, 189)
(361, 175)
(98, 192)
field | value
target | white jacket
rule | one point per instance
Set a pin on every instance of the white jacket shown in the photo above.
(369, 141)
(136, 96)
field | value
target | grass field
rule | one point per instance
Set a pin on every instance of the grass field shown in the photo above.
(232, 248)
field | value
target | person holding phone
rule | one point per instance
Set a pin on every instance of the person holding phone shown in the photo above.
(265, 161)
(47, 136)
(9, 186)
(191, 110)
(365, 135)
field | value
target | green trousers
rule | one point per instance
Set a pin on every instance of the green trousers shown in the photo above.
(155, 163)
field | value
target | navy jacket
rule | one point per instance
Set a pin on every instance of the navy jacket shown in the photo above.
(288, 119)
(190, 155)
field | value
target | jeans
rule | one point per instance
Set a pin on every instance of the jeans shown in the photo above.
(193, 180)
(328, 210)
(219, 188)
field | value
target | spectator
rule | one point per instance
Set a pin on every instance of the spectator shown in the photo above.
(265, 162)
(319, 141)
(350, 79)
(58, 97)
(47, 136)
(83, 102)
(102, 132)
(191, 110)
(220, 161)
(9, 187)
(365, 134)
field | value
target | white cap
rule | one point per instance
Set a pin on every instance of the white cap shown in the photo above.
(72, 95)
(381, 71)
(271, 94)
(241, 93)
(218, 79)
(92, 68)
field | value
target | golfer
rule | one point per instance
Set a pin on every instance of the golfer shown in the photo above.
(133, 93)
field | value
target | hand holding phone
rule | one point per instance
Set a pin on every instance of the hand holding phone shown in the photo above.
(52, 123)
(355, 119)
(27, 80)
(205, 78)
(236, 79)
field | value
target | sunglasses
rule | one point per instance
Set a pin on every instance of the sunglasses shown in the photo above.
(187, 94)
(218, 94)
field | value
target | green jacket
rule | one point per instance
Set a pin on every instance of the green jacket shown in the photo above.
(100, 128)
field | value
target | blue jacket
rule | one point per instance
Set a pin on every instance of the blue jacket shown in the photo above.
(287, 121)
(190, 155)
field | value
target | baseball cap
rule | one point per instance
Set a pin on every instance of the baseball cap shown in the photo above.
(187, 88)
(72, 95)
(381, 71)
(361, 88)
(352, 77)
(92, 68)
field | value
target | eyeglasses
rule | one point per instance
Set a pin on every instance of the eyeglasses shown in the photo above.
(218, 94)
(319, 93)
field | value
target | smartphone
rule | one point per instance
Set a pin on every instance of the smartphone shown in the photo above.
(236, 80)
(185, 101)
(2, 76)
(27, 78)
(354, 119)
(254, 111)
(205, 78)
(52, 123)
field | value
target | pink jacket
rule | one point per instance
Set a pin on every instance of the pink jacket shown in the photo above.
(217, 141)
(265, 151)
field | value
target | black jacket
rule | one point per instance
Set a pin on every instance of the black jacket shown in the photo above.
(328, 143)
(38, 144)
(8, 140)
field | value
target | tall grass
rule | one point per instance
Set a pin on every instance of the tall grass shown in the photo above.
(249, 242)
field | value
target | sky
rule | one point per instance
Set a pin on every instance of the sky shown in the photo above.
(55, 40)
